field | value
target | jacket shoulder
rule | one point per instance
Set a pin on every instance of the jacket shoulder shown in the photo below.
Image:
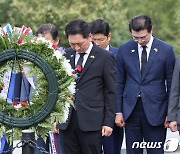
(163, 43)
(69, 52)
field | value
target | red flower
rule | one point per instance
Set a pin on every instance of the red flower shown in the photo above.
(24, 103)
(73, 72)
(15, 103)
(54, 46)
(79, 68)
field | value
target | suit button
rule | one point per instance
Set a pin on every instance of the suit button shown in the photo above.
(77, 89)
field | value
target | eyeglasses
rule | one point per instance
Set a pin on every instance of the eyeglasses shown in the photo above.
(99, 39)
(143, 38)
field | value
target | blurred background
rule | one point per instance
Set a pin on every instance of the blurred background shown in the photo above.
(165, 16)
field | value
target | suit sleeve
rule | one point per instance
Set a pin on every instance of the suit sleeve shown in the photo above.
(170, 60)
(121, 79)
(109, 75)
(174, 93)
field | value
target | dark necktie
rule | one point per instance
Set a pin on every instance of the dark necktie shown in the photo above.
(143, 59)
(80, 62)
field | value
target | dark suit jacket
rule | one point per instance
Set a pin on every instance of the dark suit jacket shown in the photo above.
(113, 50)
(96, 91)
(153, 86)
(174, 99)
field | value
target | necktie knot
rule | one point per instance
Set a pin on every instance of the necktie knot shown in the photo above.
(82, 54)
(144, 47)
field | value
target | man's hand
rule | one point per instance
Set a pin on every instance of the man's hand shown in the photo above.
(166, 123)
(106, 131)
(56, 130)
(119, 120)
(173, 126)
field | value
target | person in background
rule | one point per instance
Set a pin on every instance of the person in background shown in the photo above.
(50, 33)
(94, 111)
(174, 102)
(144, 72)
(101, 35)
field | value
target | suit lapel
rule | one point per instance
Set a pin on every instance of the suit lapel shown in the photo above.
(135, 58)
(72, 59)
(152, 55)
(90, 59)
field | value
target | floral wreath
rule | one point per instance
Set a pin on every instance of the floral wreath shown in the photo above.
(19, 41)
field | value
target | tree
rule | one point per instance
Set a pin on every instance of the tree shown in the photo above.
(35, 12)
(164, 14)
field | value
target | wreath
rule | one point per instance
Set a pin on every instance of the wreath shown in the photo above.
(26, 60)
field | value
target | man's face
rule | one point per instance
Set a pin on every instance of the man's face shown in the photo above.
(101, 40)
(142, 36)
(79, 43)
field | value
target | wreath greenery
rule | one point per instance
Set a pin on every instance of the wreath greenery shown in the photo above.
(64, 76)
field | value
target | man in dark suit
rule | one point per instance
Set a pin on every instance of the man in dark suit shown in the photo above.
(93, 115)
(101, 35)
(144, 71)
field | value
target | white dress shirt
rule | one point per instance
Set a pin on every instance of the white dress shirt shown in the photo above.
(85, 56)
(148, 48)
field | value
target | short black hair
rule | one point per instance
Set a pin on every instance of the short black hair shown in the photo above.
(140, 22)
(100, 26)
(48, 29)
(78, 26)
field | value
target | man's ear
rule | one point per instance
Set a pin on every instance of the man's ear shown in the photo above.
(109, 37)
(90, 37)
(152, 31)
(56, 41)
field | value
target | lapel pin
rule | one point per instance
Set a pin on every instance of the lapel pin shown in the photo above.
(155, 49)
(132, 50)
(72, 56)
(92, 57)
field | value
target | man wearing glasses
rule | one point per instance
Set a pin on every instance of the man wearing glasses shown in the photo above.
(101, 35)
(144, 71)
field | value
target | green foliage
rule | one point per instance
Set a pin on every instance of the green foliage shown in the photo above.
(33, 13)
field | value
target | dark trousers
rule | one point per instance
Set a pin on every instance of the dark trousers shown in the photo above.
(76, 141)
(138, 129)
(113, 143)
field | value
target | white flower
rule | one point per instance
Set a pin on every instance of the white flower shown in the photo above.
(43, 40)
(66, 111)
(67, 66)
(58, 54)
(72, 87)
(17, 106)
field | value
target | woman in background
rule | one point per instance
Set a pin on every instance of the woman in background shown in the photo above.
(50, 33)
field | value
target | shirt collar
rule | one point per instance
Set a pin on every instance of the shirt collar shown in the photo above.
(107, 48)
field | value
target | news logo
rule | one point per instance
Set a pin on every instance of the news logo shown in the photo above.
(147, 145)
(170, 145)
